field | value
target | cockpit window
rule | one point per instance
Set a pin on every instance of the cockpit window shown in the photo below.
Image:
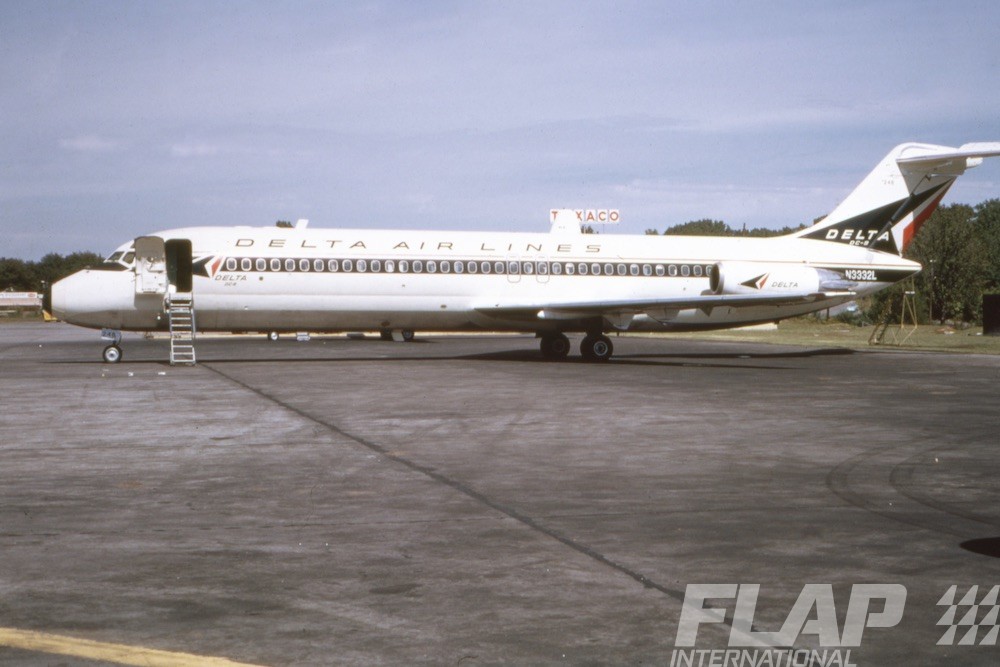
(115, 256)
(129, 257)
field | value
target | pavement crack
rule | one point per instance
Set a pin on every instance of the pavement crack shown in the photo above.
(464, 489)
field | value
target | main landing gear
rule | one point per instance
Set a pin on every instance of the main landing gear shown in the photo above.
(406, 335)
(594, 347)
(555, 346)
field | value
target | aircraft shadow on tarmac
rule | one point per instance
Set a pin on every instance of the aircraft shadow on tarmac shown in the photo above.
(984, 546)
(665, 359)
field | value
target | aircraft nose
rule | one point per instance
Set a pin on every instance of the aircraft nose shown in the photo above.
(55, 299)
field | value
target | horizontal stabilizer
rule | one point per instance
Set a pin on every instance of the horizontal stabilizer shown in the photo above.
(937, 160)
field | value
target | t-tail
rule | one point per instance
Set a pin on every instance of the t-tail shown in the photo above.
(887, 209)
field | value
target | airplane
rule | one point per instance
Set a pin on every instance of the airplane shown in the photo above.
(293, 279)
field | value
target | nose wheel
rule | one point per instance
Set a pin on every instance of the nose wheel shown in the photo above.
(112, 354)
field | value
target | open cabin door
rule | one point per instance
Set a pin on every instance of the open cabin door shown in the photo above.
(180, 265)
(150, 265)
(163, 266)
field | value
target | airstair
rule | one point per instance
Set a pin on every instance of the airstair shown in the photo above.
(180, 314)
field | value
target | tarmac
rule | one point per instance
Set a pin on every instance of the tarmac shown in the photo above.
(459, 501)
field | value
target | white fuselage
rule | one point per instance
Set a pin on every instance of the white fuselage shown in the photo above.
(315, 279)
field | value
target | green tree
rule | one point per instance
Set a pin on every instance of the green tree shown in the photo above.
(703, 227)
(54, 266)
(17, 275)
(954, 262)
(986, 225)
(22, 276)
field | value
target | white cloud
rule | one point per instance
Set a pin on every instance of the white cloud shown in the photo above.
(89, 143)
(193, 150)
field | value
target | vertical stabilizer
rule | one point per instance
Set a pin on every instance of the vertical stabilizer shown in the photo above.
(887, 209)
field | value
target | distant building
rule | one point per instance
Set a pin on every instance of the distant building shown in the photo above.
(14, 302)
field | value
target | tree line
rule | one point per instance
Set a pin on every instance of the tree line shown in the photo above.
(958, 246)
(18, 275)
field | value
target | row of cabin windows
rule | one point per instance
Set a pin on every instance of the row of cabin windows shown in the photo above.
(499, 267)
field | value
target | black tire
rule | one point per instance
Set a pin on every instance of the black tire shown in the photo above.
(555, 346)
(408, 335)
(597, 348)
(385, 334)
(112, 354)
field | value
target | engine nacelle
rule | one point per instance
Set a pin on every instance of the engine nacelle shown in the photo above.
(758, 277)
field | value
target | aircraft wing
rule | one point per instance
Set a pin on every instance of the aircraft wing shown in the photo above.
(578, 309)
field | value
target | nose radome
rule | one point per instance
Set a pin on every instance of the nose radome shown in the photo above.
(55, 296)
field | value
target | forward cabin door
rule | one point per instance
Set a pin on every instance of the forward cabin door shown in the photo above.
(150, 266)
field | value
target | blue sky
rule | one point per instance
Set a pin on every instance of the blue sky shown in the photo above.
(121, 118)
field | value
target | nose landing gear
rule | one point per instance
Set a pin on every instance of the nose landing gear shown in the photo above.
(112, 353)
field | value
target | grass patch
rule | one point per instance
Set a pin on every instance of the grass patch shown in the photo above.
(812, 332)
